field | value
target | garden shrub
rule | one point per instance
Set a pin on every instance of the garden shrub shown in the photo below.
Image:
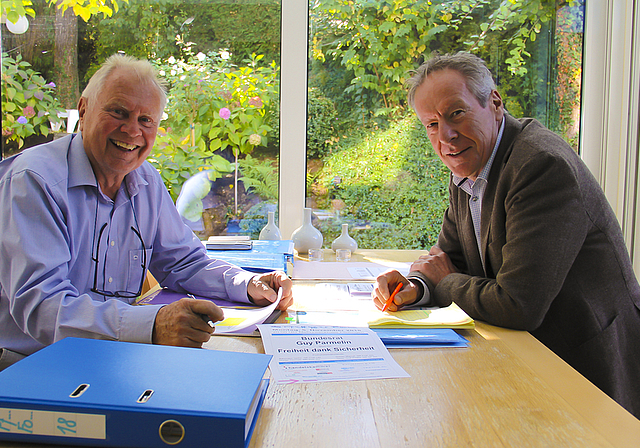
(28, 102)
(391, 186)
(320, 124)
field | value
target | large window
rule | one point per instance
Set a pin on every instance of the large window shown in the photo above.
(369, 162)
(218, 145)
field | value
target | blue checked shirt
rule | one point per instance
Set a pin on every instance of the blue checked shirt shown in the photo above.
(475, 190)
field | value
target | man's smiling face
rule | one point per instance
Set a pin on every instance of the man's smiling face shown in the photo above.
(119, 127)
(462, 132)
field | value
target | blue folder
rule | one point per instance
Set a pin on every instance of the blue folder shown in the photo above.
(420, 337)
(104, 393)
(264, 256)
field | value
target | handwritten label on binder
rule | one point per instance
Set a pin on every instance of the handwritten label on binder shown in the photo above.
(50, 423)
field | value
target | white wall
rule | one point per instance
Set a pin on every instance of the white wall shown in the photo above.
(610, 109)
(293, 115)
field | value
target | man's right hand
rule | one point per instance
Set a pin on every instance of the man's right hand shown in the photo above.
(184, 323)
(386, 283)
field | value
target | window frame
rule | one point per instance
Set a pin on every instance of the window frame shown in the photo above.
(609, 118)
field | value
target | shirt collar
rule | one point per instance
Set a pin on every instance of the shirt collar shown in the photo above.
(484, 174)
(80, 171)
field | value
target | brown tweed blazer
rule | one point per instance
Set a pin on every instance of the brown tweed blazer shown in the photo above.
(555, 263)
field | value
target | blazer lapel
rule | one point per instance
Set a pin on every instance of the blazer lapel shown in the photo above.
(511, 129)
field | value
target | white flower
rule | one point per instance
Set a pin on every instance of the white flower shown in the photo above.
(183, 77)
(200, 56)
(224, 54)
(173, 73)
(255, 139)
(172, 60)
(161, 73)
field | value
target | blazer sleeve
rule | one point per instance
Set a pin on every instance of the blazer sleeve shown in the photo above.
(538, 224)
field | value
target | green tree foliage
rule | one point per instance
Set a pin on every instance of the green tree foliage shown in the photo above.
(81, 8)
(378, 41)
(213, 108)
(13, 9)
(87, 8)
(381, 41)
(147, 29)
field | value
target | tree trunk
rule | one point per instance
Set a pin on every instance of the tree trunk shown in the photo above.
(66, 58)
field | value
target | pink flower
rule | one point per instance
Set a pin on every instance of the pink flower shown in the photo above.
(255, 139)
(28, 111)
(224, 113)
(255, 101)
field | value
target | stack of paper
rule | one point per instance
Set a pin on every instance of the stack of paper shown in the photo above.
(232, 242)
(239, 319)
(352, 270)
(334, 304)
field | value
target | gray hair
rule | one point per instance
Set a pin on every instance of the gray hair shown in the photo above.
(143, 69)
(478, 77)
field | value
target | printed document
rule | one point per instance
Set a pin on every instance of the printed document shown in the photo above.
(310, 353)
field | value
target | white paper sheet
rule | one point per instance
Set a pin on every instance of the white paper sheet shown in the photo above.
(309, 353)
(351, 270)
(245, 320)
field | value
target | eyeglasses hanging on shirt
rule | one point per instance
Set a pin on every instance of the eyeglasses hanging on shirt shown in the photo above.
(95, 259)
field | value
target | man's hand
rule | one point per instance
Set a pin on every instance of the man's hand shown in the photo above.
(435, 266)
(263, 289)
(184, 323)
(386, 283)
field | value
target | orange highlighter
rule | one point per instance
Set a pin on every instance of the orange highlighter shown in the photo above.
(393, 294)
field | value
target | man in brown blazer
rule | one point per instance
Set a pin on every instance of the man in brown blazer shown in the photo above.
(529, 240)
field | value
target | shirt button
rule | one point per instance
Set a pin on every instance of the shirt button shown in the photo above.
(474, 199)
(110, 279)
(113, 243)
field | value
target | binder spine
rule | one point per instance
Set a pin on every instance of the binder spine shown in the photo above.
(22, 422)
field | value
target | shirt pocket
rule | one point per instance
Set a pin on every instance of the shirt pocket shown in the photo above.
(138, 264)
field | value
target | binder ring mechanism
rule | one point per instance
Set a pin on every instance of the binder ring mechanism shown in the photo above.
(171, 432)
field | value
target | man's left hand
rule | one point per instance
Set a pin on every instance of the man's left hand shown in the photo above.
(435, 266)
(263, 289)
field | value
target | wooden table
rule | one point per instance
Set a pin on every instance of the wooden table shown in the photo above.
(505, 390)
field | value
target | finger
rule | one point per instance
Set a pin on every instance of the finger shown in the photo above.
(264, 289)
(435, 250)
(387, 280)
(285, 303)
(206, 308)
(259, 289)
